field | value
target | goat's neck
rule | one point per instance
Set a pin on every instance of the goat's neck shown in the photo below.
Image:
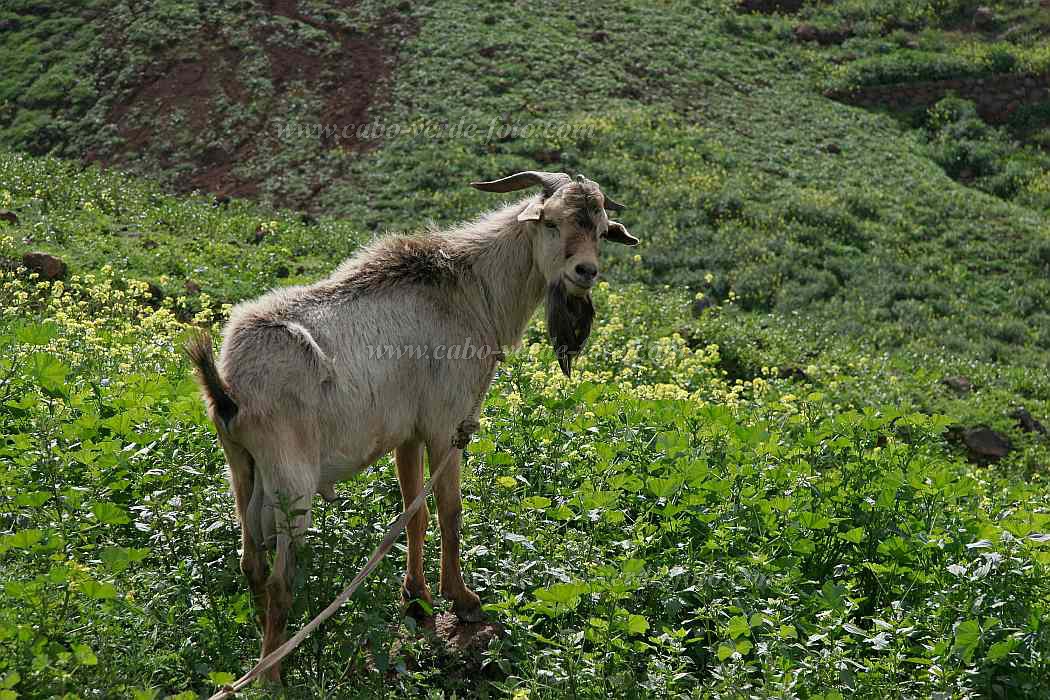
(511, 285)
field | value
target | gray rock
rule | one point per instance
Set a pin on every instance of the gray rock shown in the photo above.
(958, 384)
(986, 445)
(46, 265)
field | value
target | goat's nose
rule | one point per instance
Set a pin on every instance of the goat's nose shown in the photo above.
(587, 271)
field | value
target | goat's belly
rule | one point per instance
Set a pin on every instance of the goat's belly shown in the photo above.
(339, 471)
(345, 461)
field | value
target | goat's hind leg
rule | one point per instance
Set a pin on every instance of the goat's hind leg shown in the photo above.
(247, 497)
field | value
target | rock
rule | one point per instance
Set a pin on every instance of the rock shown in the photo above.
(1026, 421)
(192, 287)
(8, 216)
(46, 265)
(792, 372)
(984, 18)
(958, 384)
(703, 304)
(806, 32)
(986, 445)
(825, 37)
(156, 294)
(600, 36)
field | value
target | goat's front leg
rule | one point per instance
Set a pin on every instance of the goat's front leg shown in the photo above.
(409, 458)
(465, 602)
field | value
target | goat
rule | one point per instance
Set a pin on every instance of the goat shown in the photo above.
(300, 401)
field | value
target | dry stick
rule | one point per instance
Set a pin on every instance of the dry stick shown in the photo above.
(393, 532)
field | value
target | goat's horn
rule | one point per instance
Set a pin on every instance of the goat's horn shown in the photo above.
(529, 178)
(611, 204)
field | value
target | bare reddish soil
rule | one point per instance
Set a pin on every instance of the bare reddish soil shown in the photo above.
(207, 87)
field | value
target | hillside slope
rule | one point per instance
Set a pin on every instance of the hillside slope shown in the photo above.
(774, 469)
(710, 124)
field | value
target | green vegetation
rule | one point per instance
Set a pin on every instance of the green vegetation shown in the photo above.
(769, 498)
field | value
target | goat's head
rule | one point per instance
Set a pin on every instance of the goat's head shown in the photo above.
(565, 226)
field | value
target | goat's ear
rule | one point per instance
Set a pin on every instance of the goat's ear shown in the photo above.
(617, 233)
(533, 212)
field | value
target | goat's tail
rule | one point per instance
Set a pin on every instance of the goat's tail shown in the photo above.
(200, 352)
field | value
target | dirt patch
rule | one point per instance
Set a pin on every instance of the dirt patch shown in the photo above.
(444, 642)
(193, 111)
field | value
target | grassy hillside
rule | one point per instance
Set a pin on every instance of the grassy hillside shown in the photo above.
(777, 497)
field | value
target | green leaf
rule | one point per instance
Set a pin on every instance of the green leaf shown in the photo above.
(84, 656)
(24, 539)
(725, 651)
(10, 679)
(118, 559)
(562, 593)
(535, 502)
(738, 627)
(221, 678)
(98, 590)
(507, 482)
(967, 637)
(32, 499)
(744, 647)
(854, 535)
(48, 372)
(562, 512)
(788, 632)
(1000, 650)
(110, 513)
(633, 567)
(813, 521)
(36, 334)
(664, 488)
(636, 624)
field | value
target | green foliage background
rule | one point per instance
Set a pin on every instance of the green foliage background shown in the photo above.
(761, 500)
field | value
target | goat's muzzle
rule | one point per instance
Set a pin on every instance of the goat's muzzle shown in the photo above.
(569, 318)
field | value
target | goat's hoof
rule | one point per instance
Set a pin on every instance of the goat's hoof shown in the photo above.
(469, 610)
(418, 606)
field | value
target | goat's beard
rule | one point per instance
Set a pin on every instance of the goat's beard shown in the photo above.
(569, 320)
